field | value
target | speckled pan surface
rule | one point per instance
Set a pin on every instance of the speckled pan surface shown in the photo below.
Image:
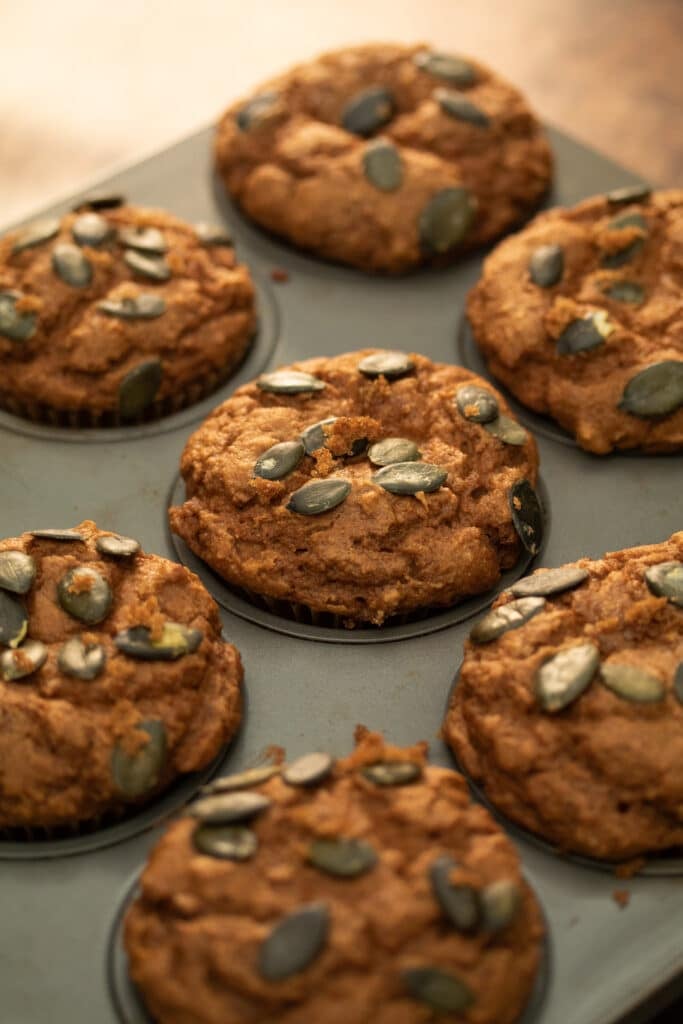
(609, 963)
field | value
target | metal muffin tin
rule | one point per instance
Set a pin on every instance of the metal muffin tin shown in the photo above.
(306, 691)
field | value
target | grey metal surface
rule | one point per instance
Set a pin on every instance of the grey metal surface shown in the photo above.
(303, 693)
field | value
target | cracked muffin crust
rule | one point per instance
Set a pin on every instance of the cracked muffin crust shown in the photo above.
(118, 315)
(114, 679)
(569, 704)
(367, 890)
(580, 315)
(384, 157)
(364, 485)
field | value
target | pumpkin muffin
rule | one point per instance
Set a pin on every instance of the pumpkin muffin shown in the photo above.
(367, 890)
(361, 486)
(580, 315)
(385, 157)
(118, 315)
(569, 705)
(114, 679)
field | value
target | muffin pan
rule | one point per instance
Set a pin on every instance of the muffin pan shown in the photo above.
(307, 690)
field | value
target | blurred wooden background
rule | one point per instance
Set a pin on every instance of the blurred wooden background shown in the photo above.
(86, 86)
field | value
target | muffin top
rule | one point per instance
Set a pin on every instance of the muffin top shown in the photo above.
(581, 316)
(116, 309)
(369, 889)
(384, 156)
(114, 678)
(569, 704)
(362, 485)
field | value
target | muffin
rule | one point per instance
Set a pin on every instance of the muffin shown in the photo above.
(367, 890)
(360, 487)
(569, 705)
(114, 679)
(118, 315)
(385, 157)
(580, 315)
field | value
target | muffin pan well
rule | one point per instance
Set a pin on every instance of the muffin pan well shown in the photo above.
(610, 962)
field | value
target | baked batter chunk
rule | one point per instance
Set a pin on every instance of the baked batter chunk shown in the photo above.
(366, 485)
(580, 315)
(369, 890)
(114, 679)
(384, 156)
(569, 705)
(118, 314)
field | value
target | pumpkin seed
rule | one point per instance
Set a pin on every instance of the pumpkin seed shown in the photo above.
(294, 942)
(476, 403)
(632, 683)
(504, 618)
(584, 334)
(91, 229)
(100, 201)
(227, 842)
(226, 808)
(446, 219)
(678, 683)
(625, 291)
(655, 391)
(175, 641)
(391, 365)
(392, 773)
(23, 661)
(254, 113)
(629, 194)
(393, 449)
(507, 430)
(549, 582)
(71, 265)
(116, 546)
(154, 267)
(442, 65)
(17, 571)
(546, 265)
(459, 903)
(500, 904)
(36, 234)
(81, 660)
(148, 240)
(289, 382)
(319, 496)
(344, 858)
(280, 460)
(15, 325)
(565, 676)
(85, 594)
(242, 780)
(527, 515)
(616, 259)
(368, 111)
(308, 770)
(440, 990)
(382, 165)
(212, 235)
(314, 437)
(410, 477)
(145, 306)
(61, 536)
(139, 387)
(138, 773)
(460, 108)
(666, 580)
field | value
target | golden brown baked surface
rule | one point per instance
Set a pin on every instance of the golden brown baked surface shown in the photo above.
(602, 776)
(103, 293)
(197, 935)
(376, 553)
(296, 156)
(580, 347)
(91, 731)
